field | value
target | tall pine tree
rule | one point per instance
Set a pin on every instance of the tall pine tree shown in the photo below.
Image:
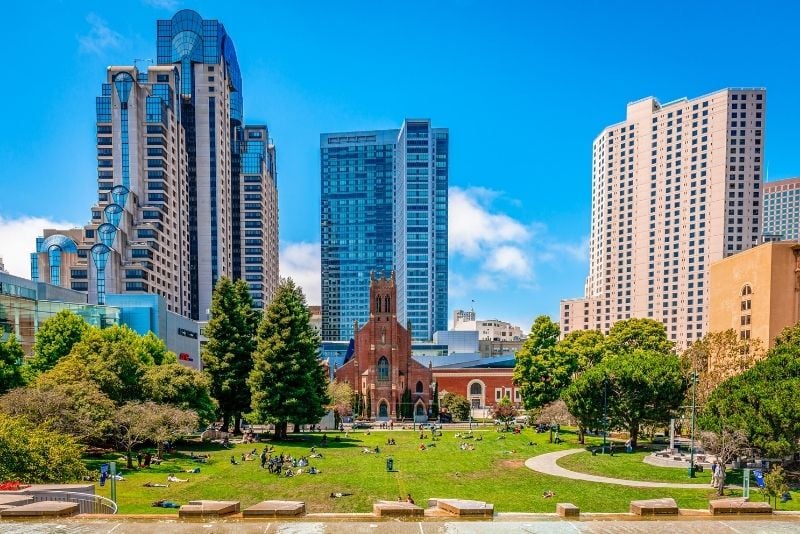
(287, 381)
(228, 354)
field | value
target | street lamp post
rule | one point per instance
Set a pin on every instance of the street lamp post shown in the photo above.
(605, 412)
(694, 379)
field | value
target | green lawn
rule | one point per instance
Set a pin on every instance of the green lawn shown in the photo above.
(494, 472)
(631, 467)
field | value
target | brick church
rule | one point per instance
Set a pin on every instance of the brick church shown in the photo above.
(381, 368)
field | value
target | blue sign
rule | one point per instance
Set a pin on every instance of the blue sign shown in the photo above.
(759, 474)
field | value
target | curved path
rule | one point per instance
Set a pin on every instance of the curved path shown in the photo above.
(546, 463)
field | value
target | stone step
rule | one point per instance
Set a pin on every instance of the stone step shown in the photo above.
(567, 509)
(275, 509)
(464, 507)
(42, 509)
(738, 506)
(396, 509)
(654, 507)
(208, 508)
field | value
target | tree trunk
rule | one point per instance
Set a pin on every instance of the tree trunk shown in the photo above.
(237, 428)
(721, 486)
(226, 421)
(130, 459)
(581, 435)
(634, 432)
(296, 429)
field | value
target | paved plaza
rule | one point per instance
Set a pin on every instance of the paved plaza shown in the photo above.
(777, 525)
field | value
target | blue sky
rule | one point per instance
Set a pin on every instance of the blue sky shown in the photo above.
(524, 88)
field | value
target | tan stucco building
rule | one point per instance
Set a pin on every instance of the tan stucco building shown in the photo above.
(756, 292)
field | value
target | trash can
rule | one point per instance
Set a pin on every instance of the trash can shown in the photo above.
(389, 464)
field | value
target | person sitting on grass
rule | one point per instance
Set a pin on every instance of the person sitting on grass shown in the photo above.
(154, 485)
(549, 493)
(409, 499)
(165, 504)
(193, 471)
(422, 446)
(173, 478)
(313, 471)
(233, 460)
(338, 494)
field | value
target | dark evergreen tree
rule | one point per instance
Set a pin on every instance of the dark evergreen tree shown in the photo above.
(288, 383)
(228, 354)
(435, 401)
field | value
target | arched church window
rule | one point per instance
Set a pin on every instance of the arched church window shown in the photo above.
(378, 304)
(383, 369)
(387, 301)
(419, 386)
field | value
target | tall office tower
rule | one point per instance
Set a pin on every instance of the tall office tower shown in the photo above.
(211, 114)
(782, 210)
(356, 214)
(674, 188)
(138, 239)
(255, 216)
(420, 245)
(384, 208)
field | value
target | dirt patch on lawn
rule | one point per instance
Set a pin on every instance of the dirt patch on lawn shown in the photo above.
(514, 464)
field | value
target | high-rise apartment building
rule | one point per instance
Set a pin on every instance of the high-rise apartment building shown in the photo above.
(186, 192)
(675, 187)
(782, 210)
(384, 208)
(137, 239)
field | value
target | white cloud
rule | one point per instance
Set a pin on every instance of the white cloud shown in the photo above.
(301, 262)
(509, 259)
(169, 5)
(18, 240)
(100, 37)
(475, 231)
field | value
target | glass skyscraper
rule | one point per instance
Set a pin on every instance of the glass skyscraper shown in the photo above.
(383, 209)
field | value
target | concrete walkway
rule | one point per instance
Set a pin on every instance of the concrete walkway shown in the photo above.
(546, 463)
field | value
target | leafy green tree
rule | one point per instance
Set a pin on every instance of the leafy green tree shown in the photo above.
(288, 382)
(35, 455)
(775, 484)
(78, 409)
(585, 347)
(457, 405)
(152, 348)
(541, 372)
(55, 339)
(134, 423)
(629, 335)
(111, 358)
(369, 403)
(11, 355)
(228, 353)
(180, 386)
(171, 423)
(762, 402)
(585, 400)
(504, 411)
(543, 376)
(718, 356)
(645, 387)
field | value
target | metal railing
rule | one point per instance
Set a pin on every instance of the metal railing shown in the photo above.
(88, 503)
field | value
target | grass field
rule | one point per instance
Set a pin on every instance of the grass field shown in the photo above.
(493, 472)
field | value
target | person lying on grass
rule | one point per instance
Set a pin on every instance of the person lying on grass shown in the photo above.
(154, 485)
(173, 478)
(165, 504)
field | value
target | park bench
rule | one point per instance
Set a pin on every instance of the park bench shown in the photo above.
(208, 508)
(738, 506)
(396, 509)
(647, 507)
(42, 509)
(567, 509)
(463, 507)
(275, 509)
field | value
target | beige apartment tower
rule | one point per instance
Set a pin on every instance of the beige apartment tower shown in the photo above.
(675, 187)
